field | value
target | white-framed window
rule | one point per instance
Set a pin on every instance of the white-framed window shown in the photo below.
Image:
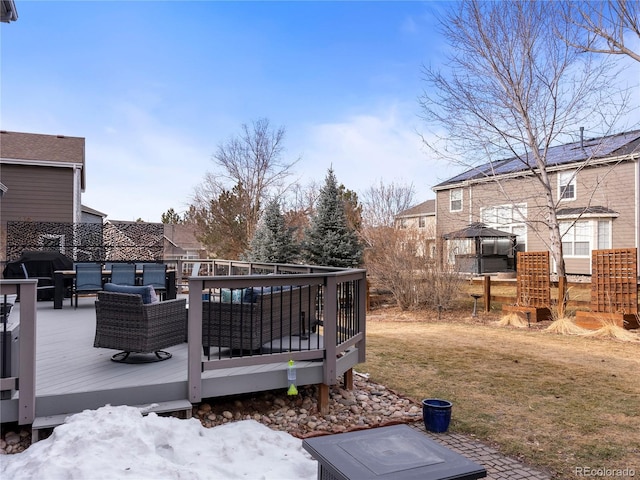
(580, 237)
(604, 234)
(422, 222)
(508, 218)
(455, 200)
(567, 185)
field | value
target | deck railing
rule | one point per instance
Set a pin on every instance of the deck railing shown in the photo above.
(319, 313)
(24, 383)
(218, 267)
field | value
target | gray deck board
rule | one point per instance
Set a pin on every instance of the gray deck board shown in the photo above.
(72, 375)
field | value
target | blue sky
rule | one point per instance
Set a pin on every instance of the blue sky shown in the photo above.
(155, 87)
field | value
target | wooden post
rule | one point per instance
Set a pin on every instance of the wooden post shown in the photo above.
(323, 398)
(562, 295)
(348, 379)
(487, 293)
(368, 296)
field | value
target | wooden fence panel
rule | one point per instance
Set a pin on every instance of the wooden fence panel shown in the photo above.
(614, 287)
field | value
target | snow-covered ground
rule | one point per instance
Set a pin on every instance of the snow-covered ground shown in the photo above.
(119, 442)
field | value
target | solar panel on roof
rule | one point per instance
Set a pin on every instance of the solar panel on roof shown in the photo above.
(557, 155)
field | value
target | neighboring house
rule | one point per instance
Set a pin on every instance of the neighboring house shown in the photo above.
(596, 184)
(42, 177)
(89, 215)
(180, 242)
(420, 220)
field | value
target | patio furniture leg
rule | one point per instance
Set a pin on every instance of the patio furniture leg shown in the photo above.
(125, 357)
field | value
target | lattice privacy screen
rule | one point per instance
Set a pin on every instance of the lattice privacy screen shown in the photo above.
(533, 281)
(95, 242)
(614, 284)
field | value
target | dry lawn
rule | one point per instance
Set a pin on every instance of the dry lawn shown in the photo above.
(556, 402)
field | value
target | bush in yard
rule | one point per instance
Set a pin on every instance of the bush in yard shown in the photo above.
(397, 260)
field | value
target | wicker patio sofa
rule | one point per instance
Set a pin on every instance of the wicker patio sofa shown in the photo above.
(124, 322)
(258, 316)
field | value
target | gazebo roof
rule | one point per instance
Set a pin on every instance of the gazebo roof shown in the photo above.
(478, 230)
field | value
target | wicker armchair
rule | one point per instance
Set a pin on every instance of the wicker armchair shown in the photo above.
(123, 322)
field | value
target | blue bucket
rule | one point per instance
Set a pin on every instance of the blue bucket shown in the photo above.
(436, 414)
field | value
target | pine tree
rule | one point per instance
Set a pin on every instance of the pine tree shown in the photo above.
(273, 240)
(329, 240)
(171, 217)
(222, 223)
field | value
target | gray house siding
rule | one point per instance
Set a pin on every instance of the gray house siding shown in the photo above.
(37, 194)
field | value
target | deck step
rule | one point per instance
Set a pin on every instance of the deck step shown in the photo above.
(182, 406)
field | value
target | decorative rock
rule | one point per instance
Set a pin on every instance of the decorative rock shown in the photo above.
(346, 409)
(12, 438)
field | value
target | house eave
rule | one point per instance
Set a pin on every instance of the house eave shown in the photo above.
(40, 163)
(588, 215)
(417, 215)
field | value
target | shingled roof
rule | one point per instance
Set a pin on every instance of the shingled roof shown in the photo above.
(424, 208)
(588, 149)
(39, 147)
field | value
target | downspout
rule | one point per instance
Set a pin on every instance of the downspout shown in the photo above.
(77, 194)
(470, 203)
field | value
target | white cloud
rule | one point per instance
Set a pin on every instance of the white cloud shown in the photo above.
(366, 148)
(140, 168)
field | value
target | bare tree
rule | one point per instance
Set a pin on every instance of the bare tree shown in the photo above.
(398, 260)
(514, 90)
(252, 159)
(610, 27)
(381, 203)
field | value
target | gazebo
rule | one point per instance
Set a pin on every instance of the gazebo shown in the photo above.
(481, 249)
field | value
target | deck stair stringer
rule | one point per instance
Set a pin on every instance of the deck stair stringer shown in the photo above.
(181, 407)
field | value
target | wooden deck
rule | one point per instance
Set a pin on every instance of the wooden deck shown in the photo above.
(72, 375)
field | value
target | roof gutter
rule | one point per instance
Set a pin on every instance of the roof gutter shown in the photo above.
(40, 163)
